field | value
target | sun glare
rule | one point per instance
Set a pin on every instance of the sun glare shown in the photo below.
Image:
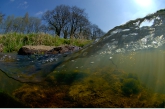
(144, 3)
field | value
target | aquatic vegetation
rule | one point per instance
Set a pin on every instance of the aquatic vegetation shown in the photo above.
(68, 77)
(99, 88)
(130, 86)
(43, 96)
(107, 91)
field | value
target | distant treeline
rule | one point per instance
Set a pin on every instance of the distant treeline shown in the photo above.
(63, 21)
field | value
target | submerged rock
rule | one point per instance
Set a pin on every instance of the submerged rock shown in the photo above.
(42, 49)
(39, 49)
(63, 49)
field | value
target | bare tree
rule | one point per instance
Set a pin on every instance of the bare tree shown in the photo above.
(1, 17)
(64, 21)
(96, 32)
(43, 28)
(65, 30)
(57, 18)
(78, 19)
(67, 21)
(8, 24)
(25, 23)
(21, 24)
(33, 25)
(82, 26)
(17, 25)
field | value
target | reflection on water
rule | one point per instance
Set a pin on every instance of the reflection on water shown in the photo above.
(125, 68)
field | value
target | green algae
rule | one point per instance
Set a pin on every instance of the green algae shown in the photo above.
(92, 90)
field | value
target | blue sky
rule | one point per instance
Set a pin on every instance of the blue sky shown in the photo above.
(104, 13)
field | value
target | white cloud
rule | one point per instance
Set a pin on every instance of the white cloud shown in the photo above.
(39, 13)
(25, 2)
(12, 0)
(23, 5)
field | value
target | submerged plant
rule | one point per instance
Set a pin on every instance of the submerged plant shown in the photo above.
(131, 86)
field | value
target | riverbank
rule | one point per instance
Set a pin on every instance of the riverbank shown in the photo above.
(12, 42)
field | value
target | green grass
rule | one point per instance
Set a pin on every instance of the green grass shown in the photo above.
(12, 42)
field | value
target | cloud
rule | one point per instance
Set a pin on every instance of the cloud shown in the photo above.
(39, 13)
(12, 0)
(25, 2)
(23, 5)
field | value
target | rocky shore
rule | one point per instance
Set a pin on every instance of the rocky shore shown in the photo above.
(42, 49)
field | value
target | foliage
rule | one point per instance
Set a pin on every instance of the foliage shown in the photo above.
(12, 42)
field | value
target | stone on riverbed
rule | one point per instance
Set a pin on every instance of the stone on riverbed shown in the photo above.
(42, 49)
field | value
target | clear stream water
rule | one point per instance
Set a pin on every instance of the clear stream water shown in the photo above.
(125, 68)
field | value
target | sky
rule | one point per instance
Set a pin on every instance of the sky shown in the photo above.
(105, 13)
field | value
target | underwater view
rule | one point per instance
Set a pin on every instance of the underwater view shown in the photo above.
(125, 68)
